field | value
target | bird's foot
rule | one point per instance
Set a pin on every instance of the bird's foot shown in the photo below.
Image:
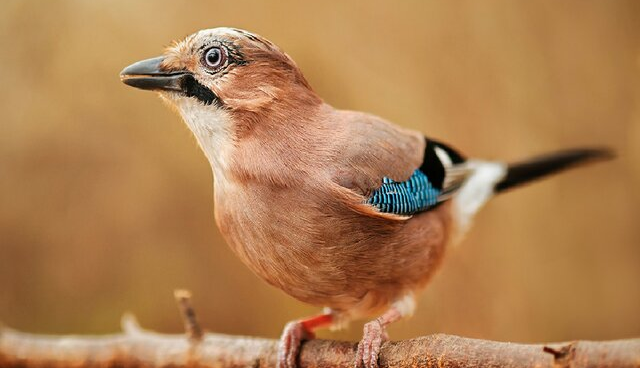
(292, 336)
(369, 347)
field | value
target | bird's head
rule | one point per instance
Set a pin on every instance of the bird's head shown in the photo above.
(225, 81)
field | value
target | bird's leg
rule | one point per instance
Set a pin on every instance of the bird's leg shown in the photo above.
(375, 332)
(297, 331)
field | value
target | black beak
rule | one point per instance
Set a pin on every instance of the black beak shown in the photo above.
(146, 74)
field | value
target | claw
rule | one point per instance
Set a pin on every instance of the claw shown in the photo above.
(297, 331)
(369, 346)
(292, 336)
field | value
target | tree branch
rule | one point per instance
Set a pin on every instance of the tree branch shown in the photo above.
(191, 325)
(140, 348)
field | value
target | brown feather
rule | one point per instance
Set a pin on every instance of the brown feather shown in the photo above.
(290, 197)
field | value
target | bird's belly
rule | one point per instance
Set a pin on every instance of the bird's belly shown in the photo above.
(341, 259)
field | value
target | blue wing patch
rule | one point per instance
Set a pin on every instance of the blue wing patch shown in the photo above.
(405, 198)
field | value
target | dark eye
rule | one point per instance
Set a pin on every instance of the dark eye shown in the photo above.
(214, 58)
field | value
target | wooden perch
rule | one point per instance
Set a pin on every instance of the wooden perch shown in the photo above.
(139, 348)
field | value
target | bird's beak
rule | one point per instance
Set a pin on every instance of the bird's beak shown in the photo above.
(147, 74)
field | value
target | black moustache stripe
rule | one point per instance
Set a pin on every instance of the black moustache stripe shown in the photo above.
(192, 88)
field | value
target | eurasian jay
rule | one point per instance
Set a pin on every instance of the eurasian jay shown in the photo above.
(340, 209)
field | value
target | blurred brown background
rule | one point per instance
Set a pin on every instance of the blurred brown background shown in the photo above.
(106, 201)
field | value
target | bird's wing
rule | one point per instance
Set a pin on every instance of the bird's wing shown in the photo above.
(396, 172)
(441, 174)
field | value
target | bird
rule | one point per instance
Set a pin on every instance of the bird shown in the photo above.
(339, 209)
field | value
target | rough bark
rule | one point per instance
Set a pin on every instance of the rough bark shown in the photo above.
(136, 347)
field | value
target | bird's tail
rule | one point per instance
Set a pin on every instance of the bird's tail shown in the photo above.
(523, 172)
(486, 179)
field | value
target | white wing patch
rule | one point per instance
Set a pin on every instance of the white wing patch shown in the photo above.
(444, 157)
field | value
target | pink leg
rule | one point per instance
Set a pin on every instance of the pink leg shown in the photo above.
(374, 334)
(294, 333)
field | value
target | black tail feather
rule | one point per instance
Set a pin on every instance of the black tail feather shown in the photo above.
(523, 172)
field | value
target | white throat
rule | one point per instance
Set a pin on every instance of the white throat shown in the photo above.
(212, 128)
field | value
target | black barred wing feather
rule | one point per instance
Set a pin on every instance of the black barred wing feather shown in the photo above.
(441, 174)
(407, 197)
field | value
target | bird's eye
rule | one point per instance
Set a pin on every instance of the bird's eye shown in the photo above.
(214, 58)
